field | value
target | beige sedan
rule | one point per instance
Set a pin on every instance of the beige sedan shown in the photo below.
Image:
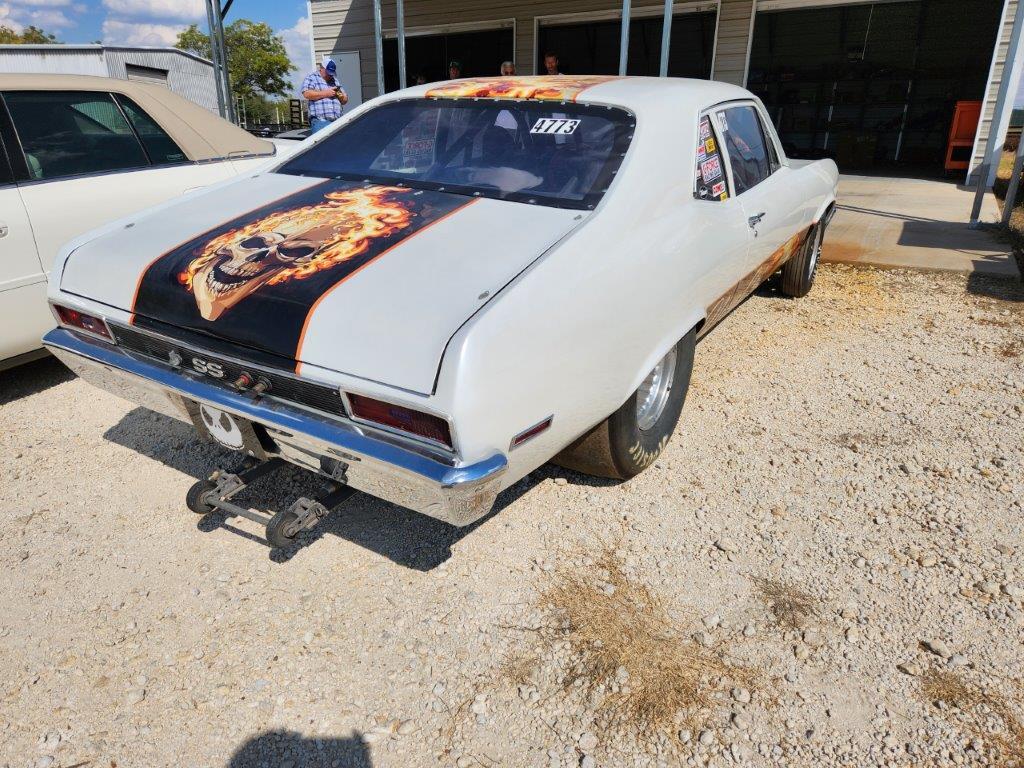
(77, 152)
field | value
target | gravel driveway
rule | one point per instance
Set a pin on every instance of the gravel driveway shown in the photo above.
(824, 568)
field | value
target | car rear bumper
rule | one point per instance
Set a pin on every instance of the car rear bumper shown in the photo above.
(375, 463)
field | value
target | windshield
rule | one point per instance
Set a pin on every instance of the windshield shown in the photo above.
(560, 154)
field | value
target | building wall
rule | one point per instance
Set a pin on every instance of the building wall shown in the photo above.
(56, 59)
(999, 70)
(347, 25)
(187, 75)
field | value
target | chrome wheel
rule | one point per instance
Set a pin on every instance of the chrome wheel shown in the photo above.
(653, 394)
(815, 250)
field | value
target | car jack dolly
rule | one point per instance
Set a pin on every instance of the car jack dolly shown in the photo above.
(282, 527)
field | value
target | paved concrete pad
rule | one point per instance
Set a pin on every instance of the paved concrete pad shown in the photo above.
(914, 223)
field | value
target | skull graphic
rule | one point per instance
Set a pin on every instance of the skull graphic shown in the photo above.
(241, 267)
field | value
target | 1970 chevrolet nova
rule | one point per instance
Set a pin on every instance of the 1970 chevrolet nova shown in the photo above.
(454, 285)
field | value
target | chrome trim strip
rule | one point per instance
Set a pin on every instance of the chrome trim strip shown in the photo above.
(303, 379)
(455, 494)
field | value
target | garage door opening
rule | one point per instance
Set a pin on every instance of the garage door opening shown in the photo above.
(873, 86)
(592, 48)
(479, 52)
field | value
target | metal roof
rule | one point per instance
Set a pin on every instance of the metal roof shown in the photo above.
(45, 47)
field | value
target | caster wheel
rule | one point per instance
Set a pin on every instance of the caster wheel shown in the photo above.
(196, 498)
(281, 529)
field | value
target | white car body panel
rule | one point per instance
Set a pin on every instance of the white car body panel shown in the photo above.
(579, 306)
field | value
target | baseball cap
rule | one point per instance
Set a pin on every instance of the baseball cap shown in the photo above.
(330, 66)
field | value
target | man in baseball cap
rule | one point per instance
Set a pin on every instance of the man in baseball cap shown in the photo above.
(325, 96)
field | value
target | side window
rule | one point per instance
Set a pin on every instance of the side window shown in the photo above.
(161, 148)
(72, 133)
(746, 145)
(710, 173)
(6, 177)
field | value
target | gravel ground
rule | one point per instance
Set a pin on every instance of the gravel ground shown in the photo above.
(835, 533)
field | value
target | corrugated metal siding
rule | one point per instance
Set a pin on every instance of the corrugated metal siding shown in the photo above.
(68, 61)
(992, 92)
(347, 25)
(186, 76)
(733, 41)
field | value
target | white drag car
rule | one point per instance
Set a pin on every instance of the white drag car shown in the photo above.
(452, 286)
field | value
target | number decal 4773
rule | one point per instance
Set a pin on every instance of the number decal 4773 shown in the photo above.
(555, 126)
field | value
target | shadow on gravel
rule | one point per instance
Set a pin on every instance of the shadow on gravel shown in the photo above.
(281, 748)
(995, 287)
(32, 378)
(405, 537)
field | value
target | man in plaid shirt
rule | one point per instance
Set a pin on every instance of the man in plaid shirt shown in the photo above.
(324, 95)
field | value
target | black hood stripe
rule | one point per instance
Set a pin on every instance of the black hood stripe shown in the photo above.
(256, 279)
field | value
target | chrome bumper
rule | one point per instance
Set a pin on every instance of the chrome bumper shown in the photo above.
(375, 463)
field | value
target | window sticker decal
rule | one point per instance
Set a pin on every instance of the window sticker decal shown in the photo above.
(711, 169)
(711, 183)
(555, 126)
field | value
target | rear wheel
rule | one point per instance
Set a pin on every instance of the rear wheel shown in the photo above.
(629, 440)
(798, 273)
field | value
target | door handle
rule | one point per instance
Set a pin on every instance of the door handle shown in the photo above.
(3, 229)
(753, 221)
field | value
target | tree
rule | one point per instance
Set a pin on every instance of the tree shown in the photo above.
(258, 64)
(29, 35)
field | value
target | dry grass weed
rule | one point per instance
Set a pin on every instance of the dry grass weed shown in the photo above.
(988, 715)
(790, 605)
(640, 670)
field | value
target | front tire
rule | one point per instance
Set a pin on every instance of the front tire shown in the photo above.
(627, 442)
(798, 273)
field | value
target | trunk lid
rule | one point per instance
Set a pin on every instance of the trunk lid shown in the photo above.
(366, 280)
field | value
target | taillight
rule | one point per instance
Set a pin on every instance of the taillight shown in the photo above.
(401, 418)
(84, 322)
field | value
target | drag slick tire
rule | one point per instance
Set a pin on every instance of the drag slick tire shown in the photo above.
(627, 442)
(196, 498)
(798, 273)
(277, 529)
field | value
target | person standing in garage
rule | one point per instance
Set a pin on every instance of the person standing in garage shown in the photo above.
(324, 95)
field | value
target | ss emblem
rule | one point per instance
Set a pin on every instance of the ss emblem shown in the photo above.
(215, 370)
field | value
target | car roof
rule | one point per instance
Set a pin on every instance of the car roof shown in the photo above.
(634, 93)
(201, 134)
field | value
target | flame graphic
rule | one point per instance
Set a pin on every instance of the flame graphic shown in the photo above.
(354, 218)
(542, 87)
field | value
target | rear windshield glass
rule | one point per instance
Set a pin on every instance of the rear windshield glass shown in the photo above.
(554, 154)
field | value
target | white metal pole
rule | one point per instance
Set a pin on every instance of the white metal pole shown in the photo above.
(223, 50)
(624, 42)
(666, 38)
(997, 116)
(378, 41)
(400, 9)
(221, 105)
(1011, 192)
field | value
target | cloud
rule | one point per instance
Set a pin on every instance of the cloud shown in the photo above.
(296, 42)
(7, 20)
(48, 14)
(184, 10)
(117, 32)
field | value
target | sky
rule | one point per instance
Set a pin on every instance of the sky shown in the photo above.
(155, 22)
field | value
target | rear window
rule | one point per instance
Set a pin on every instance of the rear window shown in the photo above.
(556, 154)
